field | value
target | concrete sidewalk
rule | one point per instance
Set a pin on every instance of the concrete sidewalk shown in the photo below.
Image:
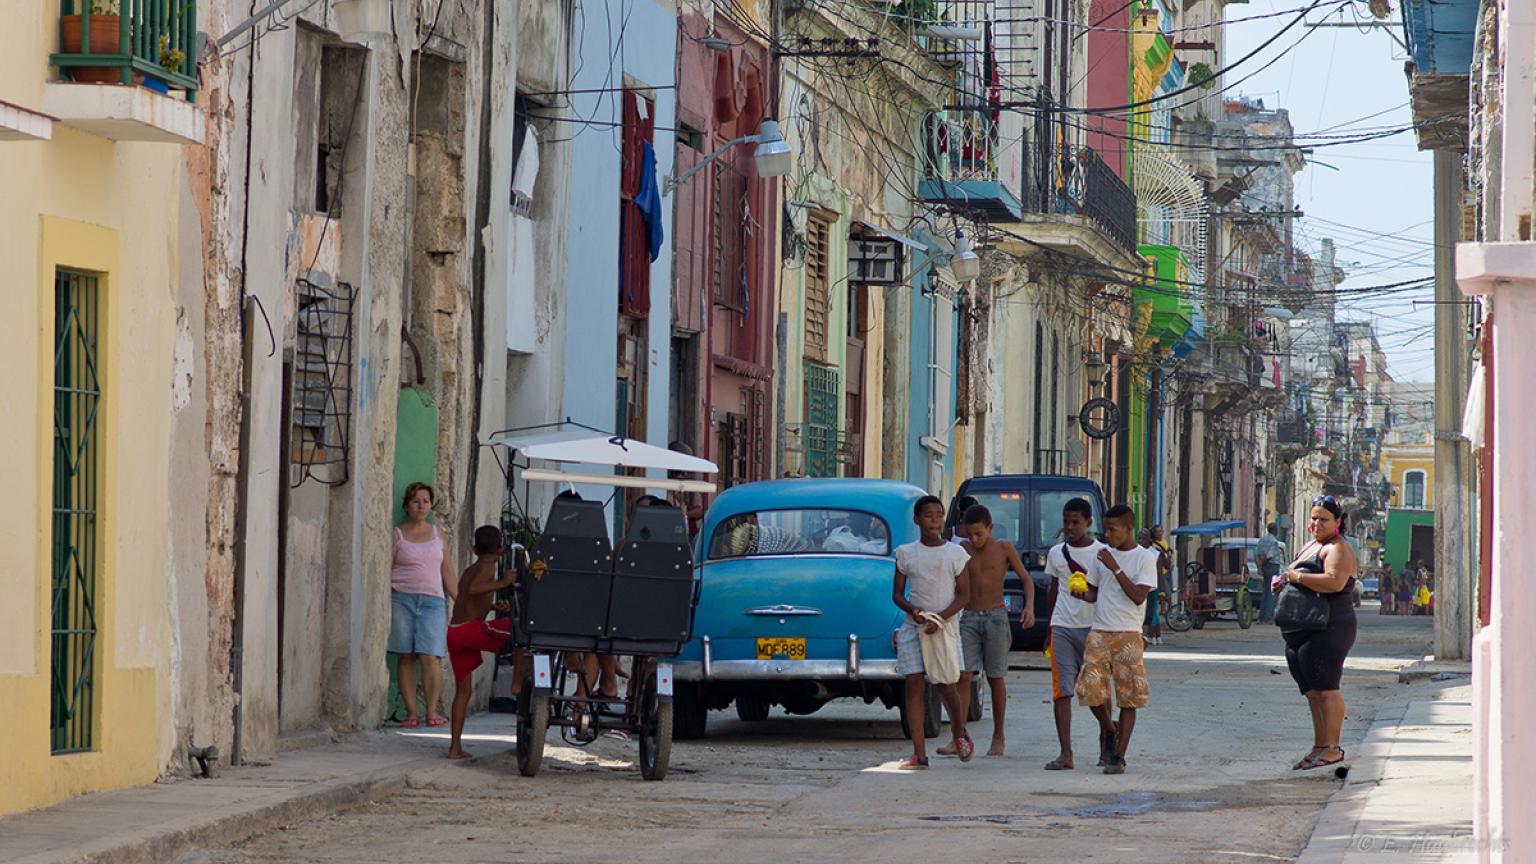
(156, 823)
(1408, 796)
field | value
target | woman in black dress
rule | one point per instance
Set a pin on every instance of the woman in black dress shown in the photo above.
(1328, 566)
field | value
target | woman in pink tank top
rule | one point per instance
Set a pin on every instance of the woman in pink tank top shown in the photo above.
(418, 626)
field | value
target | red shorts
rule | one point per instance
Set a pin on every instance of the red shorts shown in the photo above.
(467, 641)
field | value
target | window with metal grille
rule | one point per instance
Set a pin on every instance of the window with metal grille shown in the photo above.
(818, 301)
(821, 395)
(76, 473)
(321, 412)
(733, 218)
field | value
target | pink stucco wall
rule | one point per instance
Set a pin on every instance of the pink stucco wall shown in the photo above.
(1109, 81)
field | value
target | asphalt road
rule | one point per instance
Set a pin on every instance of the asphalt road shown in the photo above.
(1209, 780)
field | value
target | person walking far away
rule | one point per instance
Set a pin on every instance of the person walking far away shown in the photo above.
(1270, 556)
(469, 634)
(986, 636)
(1327, 567)
(932, 585)
(418, 620)
(1067, 566)
(1404, 602)
(1119, 580)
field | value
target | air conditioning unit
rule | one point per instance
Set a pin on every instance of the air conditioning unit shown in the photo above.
(874, 260)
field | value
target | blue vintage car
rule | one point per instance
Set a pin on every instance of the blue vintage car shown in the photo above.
(795, 603)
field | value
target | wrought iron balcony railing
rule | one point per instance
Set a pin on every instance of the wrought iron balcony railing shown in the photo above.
(146, 42)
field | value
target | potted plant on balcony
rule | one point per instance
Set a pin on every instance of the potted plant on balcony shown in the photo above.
(105, 38)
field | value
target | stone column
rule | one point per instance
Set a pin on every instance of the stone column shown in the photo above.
(1504, 653)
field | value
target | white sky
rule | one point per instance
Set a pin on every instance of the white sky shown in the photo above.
(1331, 79)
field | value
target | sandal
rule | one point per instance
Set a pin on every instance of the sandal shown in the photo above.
(965, 749)
(1058, 765)
(410, 722)
(437, 720)
(1306, 760)
(912, 763)
(948, 750)
(1318, 761)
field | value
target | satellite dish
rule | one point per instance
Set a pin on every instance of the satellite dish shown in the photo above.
(1076, 453)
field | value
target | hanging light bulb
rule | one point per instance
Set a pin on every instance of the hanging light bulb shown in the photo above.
(965, 264)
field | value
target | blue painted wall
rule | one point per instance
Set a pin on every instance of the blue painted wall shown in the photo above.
(637, 39)
(919, 458)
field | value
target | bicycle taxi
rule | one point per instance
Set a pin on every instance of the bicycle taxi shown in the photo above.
(578, 593)
(1220, 580)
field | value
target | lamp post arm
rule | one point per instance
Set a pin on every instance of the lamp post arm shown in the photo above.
(670, 183)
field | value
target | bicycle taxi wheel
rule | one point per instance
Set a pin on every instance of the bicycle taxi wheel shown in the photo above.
(532, 724)
(655, 725)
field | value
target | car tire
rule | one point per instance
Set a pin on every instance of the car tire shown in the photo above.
(689, 716)
(974, 712)
(752, 709)
(930, 714)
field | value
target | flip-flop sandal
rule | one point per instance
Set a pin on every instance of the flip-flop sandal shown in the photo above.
(1305, 760)
(410, 722)
(912, 763)
(1057, 765)
(948, 750)
(437, 720)
(1312, 762)
(966, 749)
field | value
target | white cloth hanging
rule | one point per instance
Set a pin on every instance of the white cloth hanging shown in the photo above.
(1472, 426)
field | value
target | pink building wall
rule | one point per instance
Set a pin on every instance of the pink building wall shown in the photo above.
(1109, 81)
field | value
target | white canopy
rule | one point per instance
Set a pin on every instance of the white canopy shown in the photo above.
(587, 447)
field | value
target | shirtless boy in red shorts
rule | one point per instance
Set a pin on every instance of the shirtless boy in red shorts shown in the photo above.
(469, 634)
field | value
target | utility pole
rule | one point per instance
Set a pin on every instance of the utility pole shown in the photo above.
(1455, 565)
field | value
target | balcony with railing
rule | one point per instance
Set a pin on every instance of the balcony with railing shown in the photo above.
(961, 167)
(127, 70)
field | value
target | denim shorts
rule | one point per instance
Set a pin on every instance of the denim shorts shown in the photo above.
(418, 624)
(986, 637)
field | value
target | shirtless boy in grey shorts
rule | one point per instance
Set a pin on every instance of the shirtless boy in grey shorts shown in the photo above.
(985, 632)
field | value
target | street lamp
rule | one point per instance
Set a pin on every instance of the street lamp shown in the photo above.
(964, 263)
(772, 156)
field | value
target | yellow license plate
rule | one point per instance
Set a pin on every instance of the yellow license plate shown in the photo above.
(771, 647)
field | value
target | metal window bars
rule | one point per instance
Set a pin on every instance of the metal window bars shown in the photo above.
(321, 414)
(76, 404)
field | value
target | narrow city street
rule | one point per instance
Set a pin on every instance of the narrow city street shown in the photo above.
(1209, 780)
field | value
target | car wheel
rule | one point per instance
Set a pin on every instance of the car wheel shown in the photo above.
(933, 711)
(752, 709)
(974, 712)
(689, 716)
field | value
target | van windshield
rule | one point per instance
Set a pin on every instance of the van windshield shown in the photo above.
(1030, 531)
(790, 532)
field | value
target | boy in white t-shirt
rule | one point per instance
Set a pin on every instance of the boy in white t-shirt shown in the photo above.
(1071, 619)
(1119, 580)
(932, 578)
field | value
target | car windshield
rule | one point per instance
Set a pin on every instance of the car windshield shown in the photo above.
(1048, 506)
(789, 532)
(1009, 513)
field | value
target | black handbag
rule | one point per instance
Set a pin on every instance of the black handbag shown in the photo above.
(1301, 609)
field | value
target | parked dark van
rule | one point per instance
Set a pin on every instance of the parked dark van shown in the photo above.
(1026, 511)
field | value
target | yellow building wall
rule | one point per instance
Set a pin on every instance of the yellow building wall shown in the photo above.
(83, 202)
(1396, 462)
